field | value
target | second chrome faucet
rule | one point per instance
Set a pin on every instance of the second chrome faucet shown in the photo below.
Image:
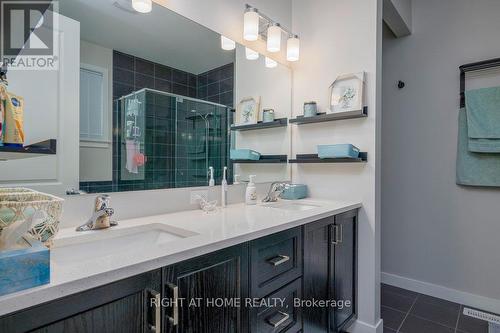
(101, 218)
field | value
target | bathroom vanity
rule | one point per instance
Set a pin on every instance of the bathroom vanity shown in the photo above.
(266, 271)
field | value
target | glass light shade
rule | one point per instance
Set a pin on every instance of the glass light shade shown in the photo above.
(142, 6)
(251, 54)
(251, 26)
(227, 44)
(274, 38)
(293, 49)
(270, 63)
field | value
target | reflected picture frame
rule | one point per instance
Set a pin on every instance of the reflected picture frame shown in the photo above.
(247, 111)
(347, 93)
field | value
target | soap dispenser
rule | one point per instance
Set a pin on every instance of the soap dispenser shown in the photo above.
(251, 192)
(224, 188)
(211, 182)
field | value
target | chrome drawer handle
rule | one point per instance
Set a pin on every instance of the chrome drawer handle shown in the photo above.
(174, 320)
(338, 234)
(274, 322)
(278, 260)
(157, 300)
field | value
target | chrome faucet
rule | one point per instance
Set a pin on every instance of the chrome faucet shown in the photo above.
(275, 191)
(101, 218)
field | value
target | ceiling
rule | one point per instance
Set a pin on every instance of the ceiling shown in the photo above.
(162, 36)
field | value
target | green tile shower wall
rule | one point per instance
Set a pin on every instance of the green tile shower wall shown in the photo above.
(170, 139)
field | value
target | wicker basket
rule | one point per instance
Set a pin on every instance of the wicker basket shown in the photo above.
(20, 203)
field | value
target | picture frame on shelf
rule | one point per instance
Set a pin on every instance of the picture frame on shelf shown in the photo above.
(248, 111)
(347, 93)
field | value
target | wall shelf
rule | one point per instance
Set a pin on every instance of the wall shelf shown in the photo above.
(324, 117)
(280, 122)
(313, 158)
(265, 159)
(43, 148)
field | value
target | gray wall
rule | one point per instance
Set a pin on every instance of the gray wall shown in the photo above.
(434, 231)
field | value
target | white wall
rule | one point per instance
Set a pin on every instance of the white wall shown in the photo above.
(339, 37)
(96, 159)
(274, 87)
(444, 236)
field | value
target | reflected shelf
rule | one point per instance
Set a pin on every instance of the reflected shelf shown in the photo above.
(280, 122)
(275, 159)
(43, 148)
(313, 158)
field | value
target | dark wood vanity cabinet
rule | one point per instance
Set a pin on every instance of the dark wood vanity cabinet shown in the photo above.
(121, 307)
(330, 261)
(204, 292)
(208, 294)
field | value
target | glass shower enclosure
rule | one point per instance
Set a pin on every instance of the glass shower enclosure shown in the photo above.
(164, 140)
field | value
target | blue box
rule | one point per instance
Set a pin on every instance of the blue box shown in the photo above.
(338, 151)
(244, 154)
(294, 192)
(24, 268)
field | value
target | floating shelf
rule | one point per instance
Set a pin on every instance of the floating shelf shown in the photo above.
(265, 159)
(43, 148)
(280, 122)
(313, 158)
(323, 117)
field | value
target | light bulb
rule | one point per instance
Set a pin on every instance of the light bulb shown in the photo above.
(251, 54)
(293, 48)
(142, 6)
(274, 38)
(227, 44)
(270, 63)
(251, 25)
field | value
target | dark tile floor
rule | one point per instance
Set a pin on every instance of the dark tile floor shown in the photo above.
(405, 311)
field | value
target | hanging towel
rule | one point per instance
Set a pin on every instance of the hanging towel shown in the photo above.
(483, 119)
(474, 169)
(132, 149)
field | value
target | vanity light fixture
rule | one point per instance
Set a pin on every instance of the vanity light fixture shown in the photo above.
(251, 24)
(227, 44)
(293, 48)
(270, 63)
(142, 6)
(274, 38)
(256, 24)
(251, 54)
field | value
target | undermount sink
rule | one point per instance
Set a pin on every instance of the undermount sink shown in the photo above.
(92, 245)
(292, 206)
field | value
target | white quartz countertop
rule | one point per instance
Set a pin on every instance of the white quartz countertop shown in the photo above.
(201, 233)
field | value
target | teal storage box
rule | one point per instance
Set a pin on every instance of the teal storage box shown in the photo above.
(244, 154)
(25, 267)
(294, 192)
(338, 151)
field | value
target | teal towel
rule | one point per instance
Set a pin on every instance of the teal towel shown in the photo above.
(483, 119)
(474, 169)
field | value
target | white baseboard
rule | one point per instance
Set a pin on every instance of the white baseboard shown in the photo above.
(362, 327)
(453, 295)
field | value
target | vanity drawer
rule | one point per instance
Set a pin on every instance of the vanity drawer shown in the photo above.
(275, 261)
(278, 313)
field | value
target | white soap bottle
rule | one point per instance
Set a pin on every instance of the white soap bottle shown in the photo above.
(211, 182)
(224, 188)
(251, 192)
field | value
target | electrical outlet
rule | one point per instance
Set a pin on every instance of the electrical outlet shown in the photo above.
(196, 194)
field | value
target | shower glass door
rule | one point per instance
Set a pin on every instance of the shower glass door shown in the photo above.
(202, 141)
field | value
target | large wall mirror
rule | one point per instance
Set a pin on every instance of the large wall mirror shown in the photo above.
(157, 102)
